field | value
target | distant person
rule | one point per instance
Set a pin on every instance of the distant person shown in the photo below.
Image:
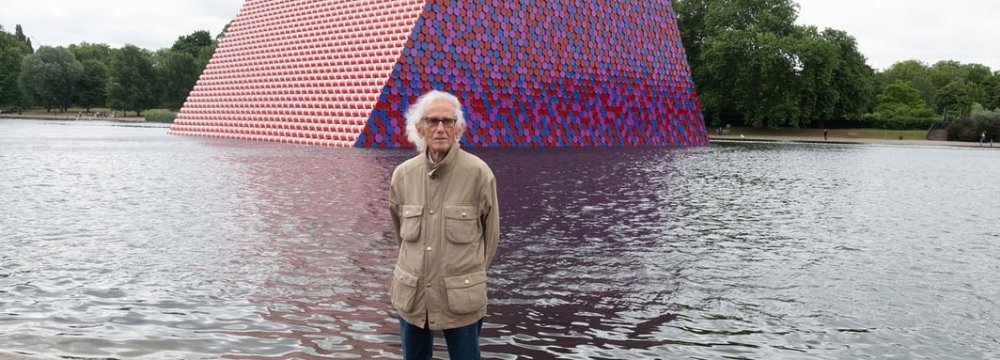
(443, 204)
(982, 139)
(824, 134)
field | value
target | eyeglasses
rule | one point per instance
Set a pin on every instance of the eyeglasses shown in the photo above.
(434, 121)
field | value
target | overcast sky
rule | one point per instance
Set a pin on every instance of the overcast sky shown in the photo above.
(893, 30)
(150, 24)
(887, 30)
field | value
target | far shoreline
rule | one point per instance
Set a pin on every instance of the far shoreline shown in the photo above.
(71, 117)
(713, 138)
(844, 141)
(14, 356)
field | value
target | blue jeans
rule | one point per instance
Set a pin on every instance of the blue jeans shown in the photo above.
(418, 344)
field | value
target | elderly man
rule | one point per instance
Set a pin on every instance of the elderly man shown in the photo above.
(444, 209)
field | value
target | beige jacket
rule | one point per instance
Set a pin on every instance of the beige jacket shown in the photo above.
(447, 223)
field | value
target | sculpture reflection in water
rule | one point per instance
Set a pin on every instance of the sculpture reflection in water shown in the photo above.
(586, 268)
(583, 266)
(325, 242)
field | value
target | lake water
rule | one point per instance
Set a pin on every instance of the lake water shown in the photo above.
(121, 241)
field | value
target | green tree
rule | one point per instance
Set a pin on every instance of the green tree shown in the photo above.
(93, 89)
(955, 99)
(993, 92)
(901, 93)
(765, 89)
(978, 73)
(900, 106)
(944, 72)
(980, 77)
(49, 77)
(853, 85)
(86, 51)
(12, 52)
(93, 84)
(193, 43)
(222, 34)
(976, 76)
(691, 20)
(179, 68)
(204, 56)
(19, 33)
(753, 65)
(740, 58)
(132, 76)
(817, 60)
(915, 73)
(176, 74)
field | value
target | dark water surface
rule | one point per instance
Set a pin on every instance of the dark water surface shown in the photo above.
(120, 241)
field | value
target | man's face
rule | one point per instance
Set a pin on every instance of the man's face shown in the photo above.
(439, 137)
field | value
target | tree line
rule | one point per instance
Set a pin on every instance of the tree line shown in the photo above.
(753, 66)
(89, 75)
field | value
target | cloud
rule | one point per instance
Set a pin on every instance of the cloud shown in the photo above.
(148, 24)
(889, 31)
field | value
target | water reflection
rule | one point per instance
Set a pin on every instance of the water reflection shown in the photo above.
(321, 224)
(584, 271)
(136, 244)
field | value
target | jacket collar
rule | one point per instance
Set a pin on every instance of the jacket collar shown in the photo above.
(441, 167)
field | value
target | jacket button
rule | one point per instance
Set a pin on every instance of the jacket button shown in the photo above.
(428, 284)
(463, 214)
(466, 281)
(432, 212)
(428, 248)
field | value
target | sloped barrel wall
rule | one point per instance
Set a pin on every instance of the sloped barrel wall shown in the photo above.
(531, 73)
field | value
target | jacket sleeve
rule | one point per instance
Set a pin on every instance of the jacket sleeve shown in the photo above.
(394, 208)
(491, 220)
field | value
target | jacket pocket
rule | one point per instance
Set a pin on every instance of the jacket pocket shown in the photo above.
(466, 293)
(461, 224)
(404, 290)
(409, 227)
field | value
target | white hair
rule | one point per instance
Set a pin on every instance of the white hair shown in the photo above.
(415, 114)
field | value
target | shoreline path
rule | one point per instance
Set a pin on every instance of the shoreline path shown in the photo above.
(8, 356)
(711, 137)
(841, 140)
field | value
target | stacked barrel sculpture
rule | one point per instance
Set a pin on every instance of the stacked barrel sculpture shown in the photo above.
(529, 72)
